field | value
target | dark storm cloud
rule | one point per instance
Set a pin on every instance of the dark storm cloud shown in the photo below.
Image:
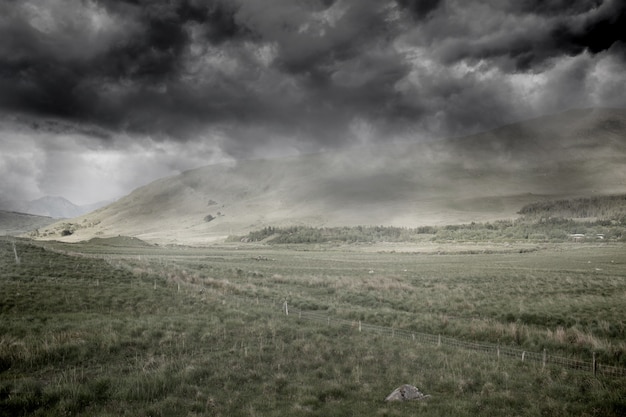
(157, 51)
(54, 65)
(603, 28)
(420, 9)
(116, 79)
(316, 71)
(133, 90)
(314, 46)
(554, 7)
(522, 36)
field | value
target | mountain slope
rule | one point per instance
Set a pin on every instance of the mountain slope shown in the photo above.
(57, 207)
(476, 178)
(48, 206)
(13, 223)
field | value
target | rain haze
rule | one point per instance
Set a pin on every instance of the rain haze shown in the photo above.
(100, 97)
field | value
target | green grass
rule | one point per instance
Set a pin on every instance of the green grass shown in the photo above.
(111, 333)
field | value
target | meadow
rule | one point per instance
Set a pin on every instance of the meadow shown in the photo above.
(119, 327)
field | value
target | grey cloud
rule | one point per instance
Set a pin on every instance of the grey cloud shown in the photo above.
(138, 77)
(600, 29)
(523, 36)
(306, 71)
(40, 73)
(420, 9)
(313, 43)
(169, 84)
(554, 7)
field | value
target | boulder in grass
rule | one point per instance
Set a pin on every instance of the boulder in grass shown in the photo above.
(406, 393)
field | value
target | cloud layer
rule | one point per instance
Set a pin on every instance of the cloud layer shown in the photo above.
(247, 78)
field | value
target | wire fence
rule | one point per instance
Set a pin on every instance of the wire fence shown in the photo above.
(500, 351)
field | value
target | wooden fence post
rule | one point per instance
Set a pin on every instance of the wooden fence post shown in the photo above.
(286, 307)
(439, 340)
(359, 326)
(595, 365)
(523, 355)
(17, 258)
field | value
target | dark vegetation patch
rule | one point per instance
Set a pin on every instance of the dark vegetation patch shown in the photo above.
(545, 230)
(608, 208)
(553, 221)
(120, 241)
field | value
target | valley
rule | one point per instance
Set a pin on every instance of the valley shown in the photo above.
(481, 178)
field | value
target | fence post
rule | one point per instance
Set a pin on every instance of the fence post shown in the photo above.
(17, 258)
(286, 307)
(359, 326)
(523, 355)
(498, 352)
(595, 365)
(439, 340)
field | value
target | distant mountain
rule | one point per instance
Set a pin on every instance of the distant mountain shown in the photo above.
(482, 177)
(56, 207)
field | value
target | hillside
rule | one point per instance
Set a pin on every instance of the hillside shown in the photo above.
(482, 177)
(14, 223)
(48, 206)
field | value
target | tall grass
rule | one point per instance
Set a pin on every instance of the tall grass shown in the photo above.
(510, 298)
(84, 336)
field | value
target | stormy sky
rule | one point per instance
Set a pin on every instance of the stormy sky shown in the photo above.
(98, 97)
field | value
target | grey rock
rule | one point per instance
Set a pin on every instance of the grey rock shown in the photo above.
(406, 393)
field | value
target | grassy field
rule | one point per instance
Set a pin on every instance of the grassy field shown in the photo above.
(117, 327)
